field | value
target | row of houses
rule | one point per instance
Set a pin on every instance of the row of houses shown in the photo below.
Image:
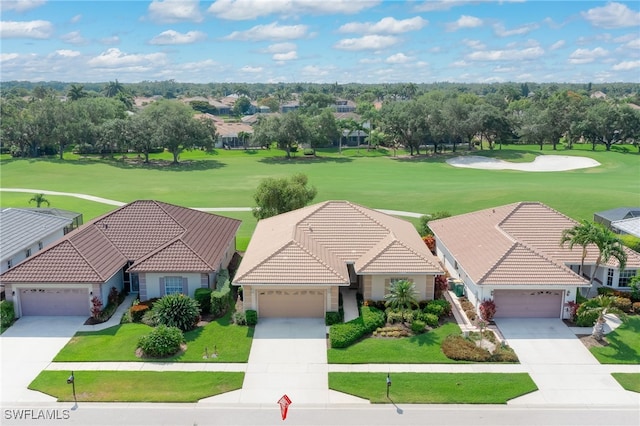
(297, 263)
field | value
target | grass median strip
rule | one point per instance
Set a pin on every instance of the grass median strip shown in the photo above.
(434, 388)
(629, 381)
(137, 386)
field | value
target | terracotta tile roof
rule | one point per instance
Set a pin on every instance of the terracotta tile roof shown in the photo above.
(314, 244)
(515, 244)
(155, 236)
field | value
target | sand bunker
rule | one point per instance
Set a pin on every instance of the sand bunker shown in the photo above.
(542, 163)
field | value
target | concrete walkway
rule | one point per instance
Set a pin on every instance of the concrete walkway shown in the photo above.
(349, 304)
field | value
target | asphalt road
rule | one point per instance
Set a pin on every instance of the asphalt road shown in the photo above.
(387, 414)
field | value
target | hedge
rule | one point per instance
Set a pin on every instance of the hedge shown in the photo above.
(346, 334)
(7, 314)
(203, 297)
(221, 297)
(251, 317)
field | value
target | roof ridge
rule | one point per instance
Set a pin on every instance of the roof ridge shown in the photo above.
(498, 262)
(321, 261)
(83, 257)
(159, 250)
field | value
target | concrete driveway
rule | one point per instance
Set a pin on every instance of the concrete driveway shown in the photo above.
(26, 348)
(562, 367)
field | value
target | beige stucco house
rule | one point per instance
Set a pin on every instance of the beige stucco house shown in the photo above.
(297, 262)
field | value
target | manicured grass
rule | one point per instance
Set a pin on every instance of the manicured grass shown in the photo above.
(624, 344)
(629, 381)
(119, 343)
(434, 388)
(421, 349)
(137, 386)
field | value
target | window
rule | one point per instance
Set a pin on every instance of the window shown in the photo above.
(610, 273)
(40, 245)
(625, 277)
(172, 285)
(9, 263)
(27, 252)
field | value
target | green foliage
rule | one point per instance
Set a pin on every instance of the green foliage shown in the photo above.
(280, 195)
(162, 342)
(585, 315)
(251, 317)
(177, 310)
(345, 334)
(438, 307)
(631, 241)
(430, 319)
(221, 297)
(635, 287)
(7, 313)
(417, 326)
(372, 318)
(137, 312)
(622, 303)
(402, 296)
(394, 316)
(461, 349)
(203, 297)
(423, 227)
(331, 318)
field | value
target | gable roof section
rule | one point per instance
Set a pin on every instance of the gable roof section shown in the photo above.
(21, 228)
(515, 244)
(629, 226)
(314, 244)
(618, 213)
(151, 234)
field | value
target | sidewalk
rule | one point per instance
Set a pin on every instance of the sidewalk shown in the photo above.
(115, 318)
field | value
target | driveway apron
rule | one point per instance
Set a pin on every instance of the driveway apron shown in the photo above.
(561, 366)
(26, 349)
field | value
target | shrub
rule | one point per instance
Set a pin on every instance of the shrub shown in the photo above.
(137, 312)
(378, 304)
(96, 307)
(471, 314)
(573, 309)
(252, 317)
(114, 296)
(308, 151)
(177, 310)
(458, 348)
(585, 318)
(605, 291)
(7, 313)
(504, 354)
(430, 319)
(622, 303)
(221, 297)
(149, 318)
(203, 297)
(394, 316)
(434, 309)
(239, 318)
(466, 305)
(636, 307)
(331, 318)
(417, 326)
(439, 307)
(487, 309)
(346, 334)
(372, 318)
(163, 341)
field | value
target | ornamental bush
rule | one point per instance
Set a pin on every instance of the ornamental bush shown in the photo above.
(177, 310)
(458, 348)
(584, 317)
(137, 312)
(221, 297)
(622, 303)
(251, 317)
(487, 309)
(372, 318)
(163, 341)
(203, 297)
(439, 307)
(417, 326)
(430, 319)
(7, 314)
(331, 318)
(346, 334)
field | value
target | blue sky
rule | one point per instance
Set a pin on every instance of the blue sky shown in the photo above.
(320, 41)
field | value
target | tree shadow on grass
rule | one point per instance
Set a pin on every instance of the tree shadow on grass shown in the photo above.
(425, 339)
(305, 160)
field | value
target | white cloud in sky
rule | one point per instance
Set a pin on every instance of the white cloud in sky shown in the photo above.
(613, 15)
(528, 53)
(287, 56)
(557, 45)
(174, 37)
(280, 47)
(8, 56)
(110, 40)
(465, 21)
(115, 58)
(626, 66)
(20, 5)
(252, 70)
(76, 19)
(501, 31)
(474, 44)
(26, 29)
(633, 44)
(170, 11)
(273, 32)
(65, 53)
(585, 56)
(240, 10)
(369, 61)
(73, 37)
(368, 42)
(398, 58)
(387, 25)
(504, 69)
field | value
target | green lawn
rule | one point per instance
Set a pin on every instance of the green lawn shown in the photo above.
(420, 349)
(119, 343)
(629, 381)
(137, 386)
(624, 344)
(434, 388)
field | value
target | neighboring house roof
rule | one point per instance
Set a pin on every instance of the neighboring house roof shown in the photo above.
(629, 226)
(618, 214)
(154, 236)
(516, 244)
(56, 212)
(21, 228)
(314, 244)
(231, 130)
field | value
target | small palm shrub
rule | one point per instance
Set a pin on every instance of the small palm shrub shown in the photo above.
(163, 341)
(417, 326)
(584, 316)
(177, 310)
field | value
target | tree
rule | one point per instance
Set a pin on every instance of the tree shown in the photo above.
(280, 195)
(602, 305)
(76, 92)
(425, 219)
(241, 106)
(113, 88)
(243, 136)
(323, 130)
(402, 295)
(39, 199)
(581, 235)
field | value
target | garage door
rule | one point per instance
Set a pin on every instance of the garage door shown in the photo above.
(528, 304)
(291, 303)
(58, 301)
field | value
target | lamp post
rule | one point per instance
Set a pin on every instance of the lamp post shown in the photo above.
(72, 381)
(388, 384)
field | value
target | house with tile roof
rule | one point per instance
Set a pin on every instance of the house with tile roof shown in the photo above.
(512, 255)
(297, 262)
(146, 246)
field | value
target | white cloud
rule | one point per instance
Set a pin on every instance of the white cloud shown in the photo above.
(26, 29)
(252, 70)
(170, 11)
(369, 61)
(280, 47)
(368, 42)
(8, 56)
(460, 64)
(65, 53)
(114, 58)
(504, 69)
(465, 21)
(288, 56)
(585, 56)
(398, 58)
(73, 37)
(633, 44)
(76, 19)
(557, 45)
(474, 44)
(271, 31)
(20, 5)
(239, 10)
(626, 66)
(501, 31)
(613, 15)
(315, 71)
(174, 37)
(507, 54)
(439, 5)
(110, 40)
(388, 25)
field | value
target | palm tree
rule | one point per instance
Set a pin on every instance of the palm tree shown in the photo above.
(113, 88)
(609, 245)
(581, 235)
(402, 295)
(243, 136)
(602, 305)
(39, 199)
(76, 92)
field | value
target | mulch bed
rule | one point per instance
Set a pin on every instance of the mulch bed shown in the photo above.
(589, 342)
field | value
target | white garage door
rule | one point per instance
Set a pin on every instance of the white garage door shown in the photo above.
(291, 303)
(528, 303)
(54, 301)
